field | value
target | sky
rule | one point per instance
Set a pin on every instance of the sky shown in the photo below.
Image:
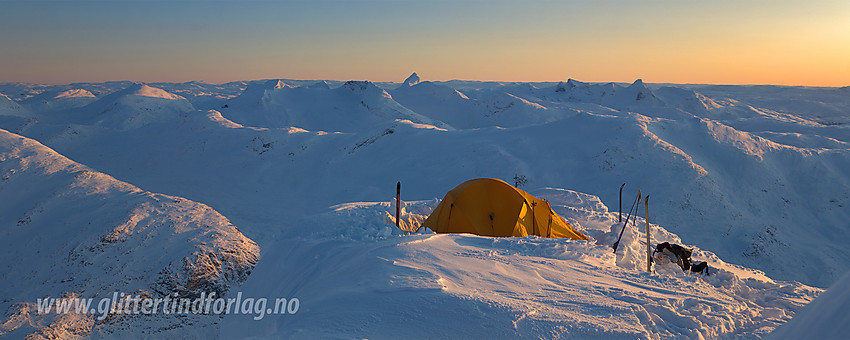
(678, 41)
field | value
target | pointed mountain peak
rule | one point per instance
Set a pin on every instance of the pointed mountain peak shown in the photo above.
(641, 92)
(561, 87)
(279, 84)
(638, 84)
(572, 83)
(569, 85)
(275, 84)
(412, 80)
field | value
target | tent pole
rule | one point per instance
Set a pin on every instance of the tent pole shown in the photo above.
(533, 219)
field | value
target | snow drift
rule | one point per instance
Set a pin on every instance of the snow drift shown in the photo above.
(356, 266)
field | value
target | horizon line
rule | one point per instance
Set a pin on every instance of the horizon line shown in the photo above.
(47, 84)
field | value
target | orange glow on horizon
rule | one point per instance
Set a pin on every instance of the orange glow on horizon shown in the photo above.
(724, 42)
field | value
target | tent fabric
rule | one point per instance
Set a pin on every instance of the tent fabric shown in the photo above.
(492, 207)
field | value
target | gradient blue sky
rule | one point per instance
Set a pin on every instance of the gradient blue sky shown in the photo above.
(683, 41)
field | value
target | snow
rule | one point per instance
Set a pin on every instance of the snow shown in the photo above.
(353, 106)
(355, 266)
(456, 109)
(307, 169)
(59, 99)
(144, 90)
(11, 108)
(824, 318)
(76, 232)
(75, 93)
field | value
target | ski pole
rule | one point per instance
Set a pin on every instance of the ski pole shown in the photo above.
(617, 244)
(398, 204)
(648, 256)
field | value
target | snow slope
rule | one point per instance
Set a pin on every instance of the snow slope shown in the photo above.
(824, 318)
(752, 185)
(69, 231)
(9, 107)
(351, 107)
(718, 182)
(355, 267)
(59, 100)
(134, 106)
(454, 108)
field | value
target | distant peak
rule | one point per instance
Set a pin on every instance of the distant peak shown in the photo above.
(277, 84)
(561, 87)
(569, 85)
(639, 86)
(135, 86)
(144, 90)
(412, 80)
(320, 85)
(75, 93)
(358, 85)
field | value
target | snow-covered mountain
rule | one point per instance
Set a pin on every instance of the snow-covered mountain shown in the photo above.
(687, 100)
(453, 107)
(204, 96)
(9, 107)
(70, 231)
(411, 80)
(748, 180)
(717, 175)
(351, 107)
(59, 100)
(133, 107)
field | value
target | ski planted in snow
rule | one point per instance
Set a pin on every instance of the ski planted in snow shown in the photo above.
(620, 211)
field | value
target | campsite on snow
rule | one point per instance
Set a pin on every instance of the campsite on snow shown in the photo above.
(418, 209)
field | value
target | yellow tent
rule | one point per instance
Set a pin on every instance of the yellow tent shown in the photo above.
(492, 207)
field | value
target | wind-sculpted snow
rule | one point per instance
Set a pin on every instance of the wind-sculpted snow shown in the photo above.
(687, 100)
(828, 106)
(719, 178)
(353, 264)
(351, 107)
(69, 231)
(454, 108)
(749, 178)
